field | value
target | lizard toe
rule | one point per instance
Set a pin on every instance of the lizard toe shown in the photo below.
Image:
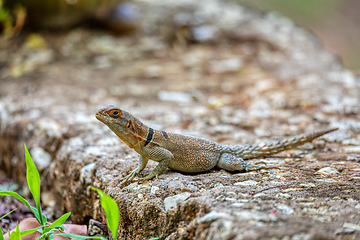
(148, 177)
(129, 177)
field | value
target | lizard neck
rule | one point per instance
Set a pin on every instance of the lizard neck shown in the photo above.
(139, 129)
(132, 135)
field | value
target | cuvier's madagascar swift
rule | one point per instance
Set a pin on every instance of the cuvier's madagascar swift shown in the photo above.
(187, 153)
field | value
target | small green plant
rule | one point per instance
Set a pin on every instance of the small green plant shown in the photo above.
(47, 230)
(1, 234)
(33, 180)
(111, 210)
(15, 235)
(112, 215)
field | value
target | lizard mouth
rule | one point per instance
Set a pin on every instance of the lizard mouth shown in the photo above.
(100, 117)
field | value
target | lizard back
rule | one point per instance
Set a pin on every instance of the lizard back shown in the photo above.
(191, 154)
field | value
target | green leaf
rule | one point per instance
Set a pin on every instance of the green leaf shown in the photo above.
(23, 200)
(15, 235)
(1, 235)
(42, 236)
(60, 220)
(36, 213)
(7, 213)
(45, 230)
(61, 227)
(57, 228)
(33, 180)
(44, 218)
(112, 211)
(29, 231)
(74, 236)
(51, 230)
(17, 196)
(48, 235)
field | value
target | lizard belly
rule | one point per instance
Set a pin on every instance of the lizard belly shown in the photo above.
(191, 162)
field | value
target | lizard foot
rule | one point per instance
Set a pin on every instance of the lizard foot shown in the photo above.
(130, 176)
(148, 176)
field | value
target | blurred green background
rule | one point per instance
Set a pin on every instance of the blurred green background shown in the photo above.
(335, 22)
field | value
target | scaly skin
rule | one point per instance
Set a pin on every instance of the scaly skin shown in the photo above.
(187, 153)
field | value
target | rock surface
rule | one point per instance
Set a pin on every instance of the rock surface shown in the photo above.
(241, 76)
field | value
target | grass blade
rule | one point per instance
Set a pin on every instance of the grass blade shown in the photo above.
(29, 231)
(36, 213)
(1, 235)
(33, 180)
(16, 234)
(112, 211)
(18, 197)
(7, 213)
(60, 220)
(24, 201)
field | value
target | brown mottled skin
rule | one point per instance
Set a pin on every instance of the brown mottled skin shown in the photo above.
(187, 153)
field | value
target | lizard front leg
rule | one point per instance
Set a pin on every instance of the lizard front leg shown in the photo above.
(161, 155)
(161, 167)
(142, 164)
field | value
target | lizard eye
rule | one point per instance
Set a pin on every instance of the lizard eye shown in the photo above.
(114, 113)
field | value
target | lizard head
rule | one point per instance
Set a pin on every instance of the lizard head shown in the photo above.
(118, 120)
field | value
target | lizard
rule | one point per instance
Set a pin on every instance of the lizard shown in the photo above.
(188, 154)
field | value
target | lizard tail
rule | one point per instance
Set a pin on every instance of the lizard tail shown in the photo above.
(261, 150)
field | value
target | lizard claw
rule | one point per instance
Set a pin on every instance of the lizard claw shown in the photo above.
(149, 176)
(130, 176)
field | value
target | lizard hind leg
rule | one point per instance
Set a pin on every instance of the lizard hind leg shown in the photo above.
(230, 162)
